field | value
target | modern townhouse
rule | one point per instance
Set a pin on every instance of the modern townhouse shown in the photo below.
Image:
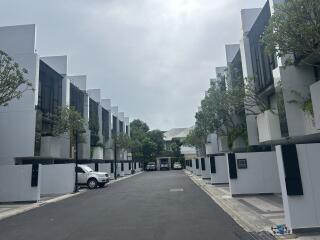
(293, 129)
(30, 149)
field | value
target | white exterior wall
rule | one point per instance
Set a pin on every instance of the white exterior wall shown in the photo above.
(303, 211)
(18, 119)
(16, 185)
(260, 177)
(221, 176)
(57, 178)
(206, 173)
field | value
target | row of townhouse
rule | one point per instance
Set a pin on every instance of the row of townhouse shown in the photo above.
(284, 140)
(26, 124)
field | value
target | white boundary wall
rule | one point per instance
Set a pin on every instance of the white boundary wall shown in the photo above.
(57, 178)
(261, 176)
(205, 173)
(303, 211)
(126, 169)
(16, 184)
(221, 175)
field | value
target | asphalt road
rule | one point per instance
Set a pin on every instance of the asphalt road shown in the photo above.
(155, 205)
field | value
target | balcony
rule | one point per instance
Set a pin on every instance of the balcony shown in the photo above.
(315, 90)
(268, 126)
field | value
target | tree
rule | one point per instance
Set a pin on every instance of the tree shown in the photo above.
(145, 144)
(12, 80)
(123, 141)
(156, 136)
(294, 28)
(68, 120)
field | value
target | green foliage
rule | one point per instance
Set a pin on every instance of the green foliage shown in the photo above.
(12, 79)
(145, 144)
(68, 120)
(294, 28)
(156, 136)
(123, 141)
(308, 107)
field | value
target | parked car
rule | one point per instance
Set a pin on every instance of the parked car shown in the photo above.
(177, 166)
(86, 176)
(151, 166)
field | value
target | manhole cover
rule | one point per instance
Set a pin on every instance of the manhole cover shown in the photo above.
(176, 190)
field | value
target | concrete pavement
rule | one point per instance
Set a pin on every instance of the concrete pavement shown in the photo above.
(155, 205)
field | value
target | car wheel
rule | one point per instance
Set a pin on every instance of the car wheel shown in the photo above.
(102, 185)
(92, 183)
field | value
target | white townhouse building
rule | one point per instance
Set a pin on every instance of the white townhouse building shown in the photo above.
(286, 125)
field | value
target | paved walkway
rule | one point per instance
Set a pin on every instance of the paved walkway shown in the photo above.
(253, 213)
(155, 205)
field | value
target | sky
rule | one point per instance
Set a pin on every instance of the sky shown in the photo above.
(153, 58)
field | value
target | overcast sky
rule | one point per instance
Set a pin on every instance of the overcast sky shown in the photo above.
(153, 58)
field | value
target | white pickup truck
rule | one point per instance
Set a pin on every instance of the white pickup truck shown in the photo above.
(86, 176)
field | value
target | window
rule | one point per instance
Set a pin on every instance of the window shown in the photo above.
(242, 163)
(94, 122)
(114, 124)
(80, 170)
(262, 64)
(49, 95)
(105, 124)
(77, 99)
(203, 164)
(121, 126)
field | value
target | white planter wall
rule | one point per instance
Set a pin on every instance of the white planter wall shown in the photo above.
(212, 144)
(261, 176)
(221, 175)
(268, 126)
(16, 184)
(57, 178)
(97, 153)
(315, 90)
(303, 211)
(223, 144)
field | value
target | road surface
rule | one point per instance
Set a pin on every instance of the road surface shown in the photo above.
(154, 205)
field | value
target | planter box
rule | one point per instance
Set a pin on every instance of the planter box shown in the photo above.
(50, 147)
(212, 144)
(223, 144)
(97, 153)
(268, 126)
(315, 96)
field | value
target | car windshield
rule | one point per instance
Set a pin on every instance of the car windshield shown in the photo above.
(86, 168)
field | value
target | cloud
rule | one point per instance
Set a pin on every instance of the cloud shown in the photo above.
(153, 58)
